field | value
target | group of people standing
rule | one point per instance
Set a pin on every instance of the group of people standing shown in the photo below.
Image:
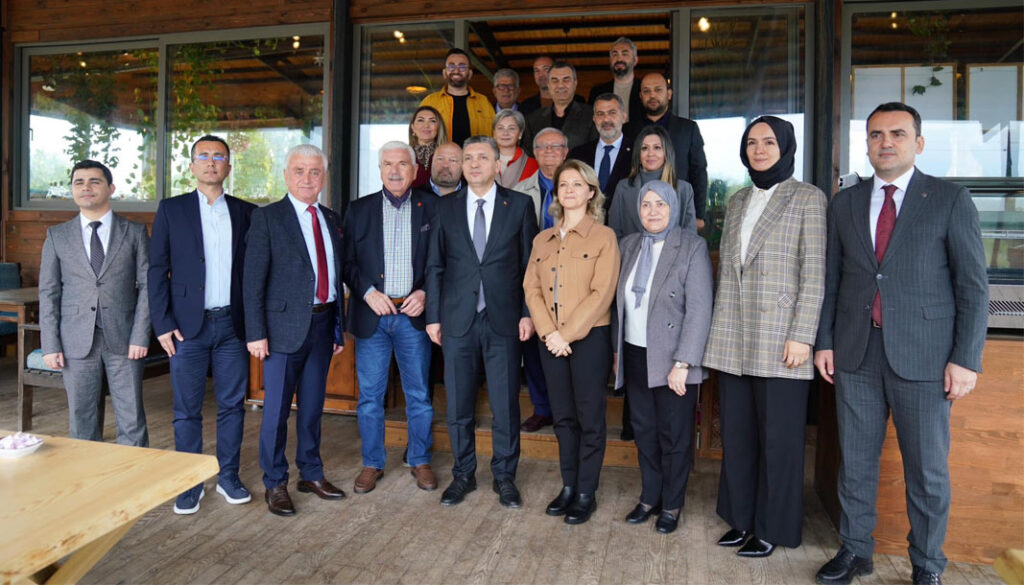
(891, 311)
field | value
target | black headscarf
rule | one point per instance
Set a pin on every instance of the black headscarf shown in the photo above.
(783, 168)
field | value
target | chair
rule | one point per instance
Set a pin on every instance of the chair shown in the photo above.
(10, 277)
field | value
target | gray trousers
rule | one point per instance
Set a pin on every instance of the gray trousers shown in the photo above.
(920, 413)
(83, 380)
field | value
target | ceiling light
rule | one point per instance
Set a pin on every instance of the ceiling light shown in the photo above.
(703, 24)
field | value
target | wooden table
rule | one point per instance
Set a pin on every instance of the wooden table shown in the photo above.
(78, 498)
(24, 303)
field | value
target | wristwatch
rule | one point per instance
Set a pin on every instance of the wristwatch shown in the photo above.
(681, 365)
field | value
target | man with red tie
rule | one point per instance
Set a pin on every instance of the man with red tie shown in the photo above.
(293, 316)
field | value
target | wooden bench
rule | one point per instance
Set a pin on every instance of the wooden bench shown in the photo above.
(156, 364)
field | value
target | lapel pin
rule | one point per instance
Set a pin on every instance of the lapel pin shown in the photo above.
(924, 195)
(505, 202)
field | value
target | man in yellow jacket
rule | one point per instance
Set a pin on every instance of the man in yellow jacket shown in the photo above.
(465, 112)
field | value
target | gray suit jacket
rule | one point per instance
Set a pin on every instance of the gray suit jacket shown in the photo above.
(679, 307)
(531, 186)
(932, 280)
(69, 291)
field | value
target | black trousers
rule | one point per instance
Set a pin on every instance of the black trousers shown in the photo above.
(500, 355)
(761, 487)
(577, 387)
(663, 426)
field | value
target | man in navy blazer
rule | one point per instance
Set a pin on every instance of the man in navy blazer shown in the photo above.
(293, 316)
(386, 240)
(195, 301)
(902, 328)
(476, 310)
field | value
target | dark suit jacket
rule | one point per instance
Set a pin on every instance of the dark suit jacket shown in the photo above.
(620, 170)
(454, 273)
(636, 103)
(932, 280)
(364, 254)
(279, 278)
(532, 104)
(578, 126)
(177, 269)
(688, 145)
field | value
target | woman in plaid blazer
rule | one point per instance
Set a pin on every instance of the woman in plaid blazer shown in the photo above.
(770, 288)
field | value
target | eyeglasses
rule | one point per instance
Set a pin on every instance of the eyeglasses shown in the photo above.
(214, 158)
(457, 67)
(548, 147)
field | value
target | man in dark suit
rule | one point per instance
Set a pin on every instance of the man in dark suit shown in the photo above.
(622, 59)
(93, 308)
(691, 164)
(293, 316)
(195, 300)
(902, 328)
(611, 154)
(478, 254)
(386, 239)
(573, 118)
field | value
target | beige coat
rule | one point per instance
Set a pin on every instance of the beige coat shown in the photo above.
(776, 294)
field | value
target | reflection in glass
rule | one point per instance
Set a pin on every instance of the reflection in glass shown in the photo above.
(262, 96)
(99, 105)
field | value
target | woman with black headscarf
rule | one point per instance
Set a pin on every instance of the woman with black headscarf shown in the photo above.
(663, 303)
(770, 287)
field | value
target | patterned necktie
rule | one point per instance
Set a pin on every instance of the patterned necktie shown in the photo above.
(606, 167)
(321, 256)
(480, 242)
(96, 248)
(883, 231)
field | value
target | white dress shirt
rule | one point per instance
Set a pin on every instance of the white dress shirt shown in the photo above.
(306, 224)
(613, 154)
(472, 198)
(635, 331)
(878, 198)
(758, 200)
(216, 224)
(104, 231)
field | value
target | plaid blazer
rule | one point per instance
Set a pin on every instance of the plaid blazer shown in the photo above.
(776, 294)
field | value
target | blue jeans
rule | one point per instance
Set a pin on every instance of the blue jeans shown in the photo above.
(373, 360)
(216, 342)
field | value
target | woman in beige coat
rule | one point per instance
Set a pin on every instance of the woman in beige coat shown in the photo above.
(770, 288)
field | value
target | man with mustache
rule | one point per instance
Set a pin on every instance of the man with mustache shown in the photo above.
(572, 118)
(386, 239)
(612, 153)
(691, 164)
(465, 112)
(446, 169)
(541, 67)
(622, 59)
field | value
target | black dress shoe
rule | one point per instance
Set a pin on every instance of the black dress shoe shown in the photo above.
(666, 522)
(581, 508)
(755, 548)
(733, 537)
(843, 568)
(322, 488)
(457, 490)
(561, 502)
(536, 423)
(278, 501)
(639, 514)
(508, 493)
(923, 577)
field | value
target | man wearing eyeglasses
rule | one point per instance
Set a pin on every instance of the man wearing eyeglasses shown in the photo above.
(465, 112)
(506, 90)
(195, 301)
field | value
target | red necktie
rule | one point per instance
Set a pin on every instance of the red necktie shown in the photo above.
(883, 231)
(321, 257)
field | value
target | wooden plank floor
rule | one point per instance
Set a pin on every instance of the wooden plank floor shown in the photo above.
(399, 534)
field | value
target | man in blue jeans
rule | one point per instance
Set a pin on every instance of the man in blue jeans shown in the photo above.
(195, 301)
(386, 240)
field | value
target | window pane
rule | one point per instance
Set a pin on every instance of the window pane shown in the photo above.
(743, 64)
(98, 105)
(262, 95)
(968, 92)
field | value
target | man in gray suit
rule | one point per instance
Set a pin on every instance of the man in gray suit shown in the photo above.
(902, 328)
(93, 308)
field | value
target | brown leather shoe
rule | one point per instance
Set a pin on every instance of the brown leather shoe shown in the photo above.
(278, 501)
(367, 480)
(323, 488)
(536, 423)
(425, 478)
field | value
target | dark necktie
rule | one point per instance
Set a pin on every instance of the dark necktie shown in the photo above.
(480, 242)
(96, 248)
(321, 257)
(606, 167)
(883, 231)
